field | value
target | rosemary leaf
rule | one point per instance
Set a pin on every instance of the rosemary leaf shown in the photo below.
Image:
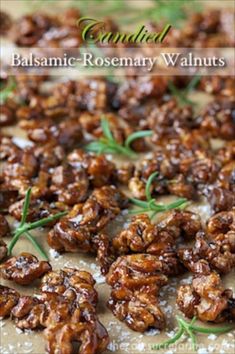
(7, 91)
(137, 135)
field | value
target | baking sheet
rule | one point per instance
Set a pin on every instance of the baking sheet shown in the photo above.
(122, 340)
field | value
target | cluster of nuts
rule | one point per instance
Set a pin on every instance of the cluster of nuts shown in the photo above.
(65, 307)
(138, 259)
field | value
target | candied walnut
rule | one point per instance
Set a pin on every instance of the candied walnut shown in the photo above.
(67, 133)
(135, 281)
(69, 184)
(90, 95)
(74, 232)
(169, 119)
(3, 250)
(205, 298)
(125, 173)
(226, 176)
(49, 155)
(8, 299)
(29, 29)
(102, 206)
(105, 253)
(24, 269)
(73, 284)
(201, 169)
(210, 254)
(159, 240)
(218, 119)
(30, 313)
(221, 199)
(82, 326)
(222, 222)
(181, 187)
(181, 223)
(217, 85)
(67, 234)
(19, 169)
(138, 235)
(4, 226)
(137, 188)
(184, 165)
(38, 209)
(134, 91)
(99, 170)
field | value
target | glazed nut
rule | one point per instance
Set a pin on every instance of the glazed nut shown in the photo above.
(24, 268)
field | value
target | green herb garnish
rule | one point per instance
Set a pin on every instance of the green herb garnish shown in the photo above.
(150, 205)
(188, 328)
(7, 91)
(25, 228)
(182, 94)
(107, 144)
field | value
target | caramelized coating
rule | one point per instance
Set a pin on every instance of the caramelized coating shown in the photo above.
(69, 184)
(4, 226)
(205, 298)
(135, 282)
(8, 299)
(221, 199)
(30, 313)
(218, 119)
(207, 254)
(24, 269)
(74, 232)
(170, 119)
(41, 30)
(92, 95)
(159, 240)
(104, 250)
(74, 285)
(67, 133)
(66, 309)
(181, 223)
(20, 167)
(98, 168)
(217, 85)
(186, 166)
(221, 223)
(82, 326)
(38, 209)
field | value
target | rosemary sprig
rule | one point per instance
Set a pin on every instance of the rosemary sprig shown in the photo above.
(182, 94)
(107, 144)
(189, 329)
(24, 227)
(150, 205)
(7, 91)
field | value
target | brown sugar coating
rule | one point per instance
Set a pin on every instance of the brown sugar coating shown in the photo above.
(135, 282)
(24, 268)
(8, 299)
(159, 240)
(74, 231)
(206, 298)
(74, 285)
(81, 326)
(65, 309)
